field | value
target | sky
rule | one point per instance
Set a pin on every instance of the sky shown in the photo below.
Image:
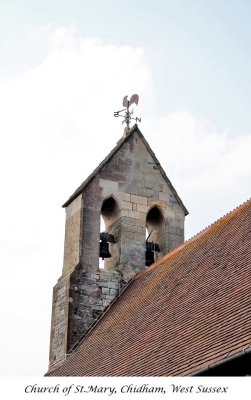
(65, 67)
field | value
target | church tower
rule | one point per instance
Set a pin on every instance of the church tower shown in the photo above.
(143, 219)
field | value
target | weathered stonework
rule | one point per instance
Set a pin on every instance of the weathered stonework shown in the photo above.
(72, 235)
(134, 196)
(90, 294)
(58, 341)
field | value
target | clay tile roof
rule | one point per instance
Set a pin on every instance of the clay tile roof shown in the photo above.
(189, 310)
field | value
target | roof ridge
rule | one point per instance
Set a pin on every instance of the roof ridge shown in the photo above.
(192, 238)
(229, 213)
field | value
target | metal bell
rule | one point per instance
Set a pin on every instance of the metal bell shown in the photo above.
(104, 250)
(149, 257)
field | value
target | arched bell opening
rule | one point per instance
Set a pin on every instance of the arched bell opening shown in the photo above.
(155, 233)
(107, 247)
(109, 212)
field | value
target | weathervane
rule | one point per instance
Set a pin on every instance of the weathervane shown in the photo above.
(128, 114)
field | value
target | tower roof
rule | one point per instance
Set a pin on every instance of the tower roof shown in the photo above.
(187, 311)
(135, 128)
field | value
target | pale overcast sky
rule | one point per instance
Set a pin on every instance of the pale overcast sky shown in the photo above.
(64, 68)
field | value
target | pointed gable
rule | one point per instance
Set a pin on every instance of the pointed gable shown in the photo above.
(128, 196)
(109, 165)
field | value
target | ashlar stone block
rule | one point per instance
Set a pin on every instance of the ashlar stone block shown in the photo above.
(138, 199)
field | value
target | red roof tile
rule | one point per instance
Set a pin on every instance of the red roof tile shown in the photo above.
(188, 310)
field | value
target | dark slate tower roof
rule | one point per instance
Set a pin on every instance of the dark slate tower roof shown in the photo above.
(189, 310)
(111, 154)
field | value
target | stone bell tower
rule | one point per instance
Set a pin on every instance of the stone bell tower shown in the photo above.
(131, 193)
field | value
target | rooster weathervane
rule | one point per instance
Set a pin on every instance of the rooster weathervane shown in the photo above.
(128, 114)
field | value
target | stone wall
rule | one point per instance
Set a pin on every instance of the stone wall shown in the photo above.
(133, 178)
(59, 316)
(90, 294)
(72, 235)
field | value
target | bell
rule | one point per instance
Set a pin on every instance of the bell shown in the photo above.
(104, 249)
(149, 257)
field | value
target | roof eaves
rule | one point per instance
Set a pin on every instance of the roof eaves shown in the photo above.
(222, 361)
